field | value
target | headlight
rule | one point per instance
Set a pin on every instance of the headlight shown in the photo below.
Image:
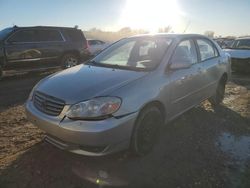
(95, 108)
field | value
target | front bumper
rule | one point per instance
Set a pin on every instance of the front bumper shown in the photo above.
(92, 138)
(241, 65)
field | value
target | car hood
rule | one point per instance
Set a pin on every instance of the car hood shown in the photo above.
(238, 53)
(84, 82)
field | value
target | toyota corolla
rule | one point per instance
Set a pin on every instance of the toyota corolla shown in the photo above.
(122, 97)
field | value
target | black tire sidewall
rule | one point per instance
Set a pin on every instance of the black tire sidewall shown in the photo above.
(134, 142)
(217, 98)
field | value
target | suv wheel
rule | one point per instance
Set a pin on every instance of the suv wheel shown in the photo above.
(219, 94)
(69, 60)
(146, 131)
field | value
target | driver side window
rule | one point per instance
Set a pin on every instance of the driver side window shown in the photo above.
(185, 50)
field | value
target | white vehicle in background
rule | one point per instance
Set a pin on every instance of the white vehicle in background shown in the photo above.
(240, 54)
(95, 46)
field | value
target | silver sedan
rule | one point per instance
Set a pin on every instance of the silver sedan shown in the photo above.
(122, 97)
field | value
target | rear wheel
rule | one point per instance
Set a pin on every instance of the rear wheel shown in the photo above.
(69, 60)
(219, 94)
(146, 131)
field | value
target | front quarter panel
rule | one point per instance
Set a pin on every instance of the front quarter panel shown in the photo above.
(138, 94)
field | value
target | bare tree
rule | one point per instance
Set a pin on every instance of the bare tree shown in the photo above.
(209, 34)
(165, 29)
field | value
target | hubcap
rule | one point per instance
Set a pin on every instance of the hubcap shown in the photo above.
(70, 62)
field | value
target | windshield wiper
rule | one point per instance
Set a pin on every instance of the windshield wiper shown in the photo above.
(116, 66)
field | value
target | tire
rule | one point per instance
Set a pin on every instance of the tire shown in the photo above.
(219, 94)
(69, 60)
(146, 130)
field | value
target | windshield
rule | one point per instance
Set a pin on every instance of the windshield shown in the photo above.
(5, 32)
(241, 44)
(141, 53)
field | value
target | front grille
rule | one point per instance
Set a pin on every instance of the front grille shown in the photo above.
(48, 104)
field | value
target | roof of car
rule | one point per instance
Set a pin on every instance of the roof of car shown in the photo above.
(171, 35)
(243, 38)
(43, 27)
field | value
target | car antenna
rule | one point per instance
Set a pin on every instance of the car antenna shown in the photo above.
(188, 24)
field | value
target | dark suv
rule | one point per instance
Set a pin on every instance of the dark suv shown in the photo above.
(40, 47)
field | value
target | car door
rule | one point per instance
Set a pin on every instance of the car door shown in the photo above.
(51, 45)
(20, 48)
(209, 67)
(183, 82)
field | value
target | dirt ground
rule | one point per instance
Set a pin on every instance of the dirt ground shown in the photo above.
(205, 147)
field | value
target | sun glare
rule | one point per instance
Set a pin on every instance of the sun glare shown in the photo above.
(150, 14)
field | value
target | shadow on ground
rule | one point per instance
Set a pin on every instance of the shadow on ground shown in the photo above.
(186, 156)
(15, 89)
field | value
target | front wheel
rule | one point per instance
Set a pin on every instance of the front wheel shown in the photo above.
(219, 94)
(69, 60)
(146, 131)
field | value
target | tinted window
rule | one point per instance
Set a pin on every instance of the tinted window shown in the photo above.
(74, 35)
(185, 50)
(5, 32)
(207, 49)
(23, 36)
(48, 35)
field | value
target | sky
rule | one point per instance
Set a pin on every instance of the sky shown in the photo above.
(224, 17)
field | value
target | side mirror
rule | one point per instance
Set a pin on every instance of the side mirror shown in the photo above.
(181, 63)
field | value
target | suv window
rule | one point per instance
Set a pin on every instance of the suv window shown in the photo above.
(74, 35)
(23, 36)
(46, 35)
(207, 49)
(185, 49)
(5, 32)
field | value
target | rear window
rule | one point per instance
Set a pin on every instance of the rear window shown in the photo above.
(74, 35)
